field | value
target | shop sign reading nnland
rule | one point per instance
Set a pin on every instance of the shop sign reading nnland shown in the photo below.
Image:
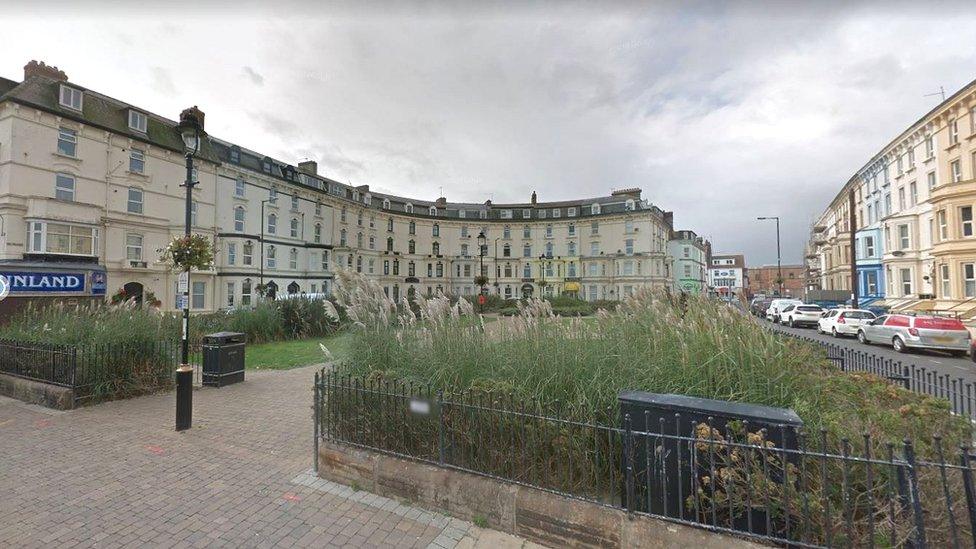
(26, 282)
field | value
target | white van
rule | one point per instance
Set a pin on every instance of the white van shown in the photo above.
(776, 306)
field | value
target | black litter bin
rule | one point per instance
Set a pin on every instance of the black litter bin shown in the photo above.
(223, 359)
(668, 475)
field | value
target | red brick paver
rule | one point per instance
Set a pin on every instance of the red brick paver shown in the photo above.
(117, 475)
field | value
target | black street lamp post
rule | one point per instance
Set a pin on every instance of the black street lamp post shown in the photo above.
(779, 265)
(191, 130)
(482, 250)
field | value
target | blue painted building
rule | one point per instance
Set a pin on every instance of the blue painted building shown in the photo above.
(870, 272)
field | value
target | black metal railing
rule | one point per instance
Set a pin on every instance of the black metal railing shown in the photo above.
(98, 371)
(960, 393)
(46, 362)
(820, 493)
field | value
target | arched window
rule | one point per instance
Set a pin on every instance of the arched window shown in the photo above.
(318, 233)
(435, 248)
(368, 199)
(411, 247)
(248, 252)
(630, 205)
(342, 237)
(436, 230)
(271, 261)
(293, 259)
(389, 244)
(239, 219)
(294, 227)
(408, 207)
(386, 203)
(272, 223)
(595, 209)
(507, 232)
(433, 211)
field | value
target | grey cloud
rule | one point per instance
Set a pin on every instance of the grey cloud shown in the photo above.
(720, 111)
(253, 76)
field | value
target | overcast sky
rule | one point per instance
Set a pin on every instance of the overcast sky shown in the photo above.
(720, 112)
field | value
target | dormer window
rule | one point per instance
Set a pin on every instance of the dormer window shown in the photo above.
(595, 209)
(71, 97)
(137, 121)
(408, 208)
(433, 211)
(386, 203)
(266, 166)
(235, 155)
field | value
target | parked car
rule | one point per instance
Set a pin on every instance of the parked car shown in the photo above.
(838, 322)
(906, 332)
(759, 305)
(803, 314)
(776, 306)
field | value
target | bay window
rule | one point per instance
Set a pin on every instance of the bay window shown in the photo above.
(61, 238)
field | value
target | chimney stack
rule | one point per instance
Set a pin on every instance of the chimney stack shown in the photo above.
(38, 68)
(534, 198)
(309, 167)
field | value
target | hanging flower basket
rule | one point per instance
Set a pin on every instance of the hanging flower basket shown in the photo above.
(192, 252)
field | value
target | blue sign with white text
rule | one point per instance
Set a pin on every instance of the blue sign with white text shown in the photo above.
(24, 282)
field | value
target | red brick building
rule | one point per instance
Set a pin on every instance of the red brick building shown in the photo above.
(762, 280)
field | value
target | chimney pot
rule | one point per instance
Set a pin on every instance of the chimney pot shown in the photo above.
(38, 68)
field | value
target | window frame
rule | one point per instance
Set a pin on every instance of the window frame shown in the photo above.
(72, 93)
(140, 203)
(138, 116)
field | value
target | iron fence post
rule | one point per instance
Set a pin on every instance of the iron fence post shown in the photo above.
(913, 494)
(318, 417)
(440, 426)
(967, 481)
(74, 366)
(629, 461)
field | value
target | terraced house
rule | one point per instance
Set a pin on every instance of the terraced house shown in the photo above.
(90, 187)
(914, 200)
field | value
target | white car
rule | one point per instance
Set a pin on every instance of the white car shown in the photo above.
(838, 322)
(776, 307)
(801, 315)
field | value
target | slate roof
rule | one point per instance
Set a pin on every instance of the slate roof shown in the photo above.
(99, 111)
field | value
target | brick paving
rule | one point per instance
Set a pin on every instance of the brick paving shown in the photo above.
(117, 475)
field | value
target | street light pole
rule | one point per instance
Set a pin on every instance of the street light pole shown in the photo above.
(482, 250)
(779, 262)
(263, 223)
(191, 130)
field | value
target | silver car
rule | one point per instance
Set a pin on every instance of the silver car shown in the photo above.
(905, 332)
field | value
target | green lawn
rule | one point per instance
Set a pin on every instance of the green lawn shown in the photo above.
(282, 355)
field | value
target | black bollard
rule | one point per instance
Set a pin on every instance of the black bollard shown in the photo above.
(184, 397)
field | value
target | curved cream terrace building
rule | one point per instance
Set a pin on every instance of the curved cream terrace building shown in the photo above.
(91, 187)
(914, 200)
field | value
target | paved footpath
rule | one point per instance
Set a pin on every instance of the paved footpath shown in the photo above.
(117, 475)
